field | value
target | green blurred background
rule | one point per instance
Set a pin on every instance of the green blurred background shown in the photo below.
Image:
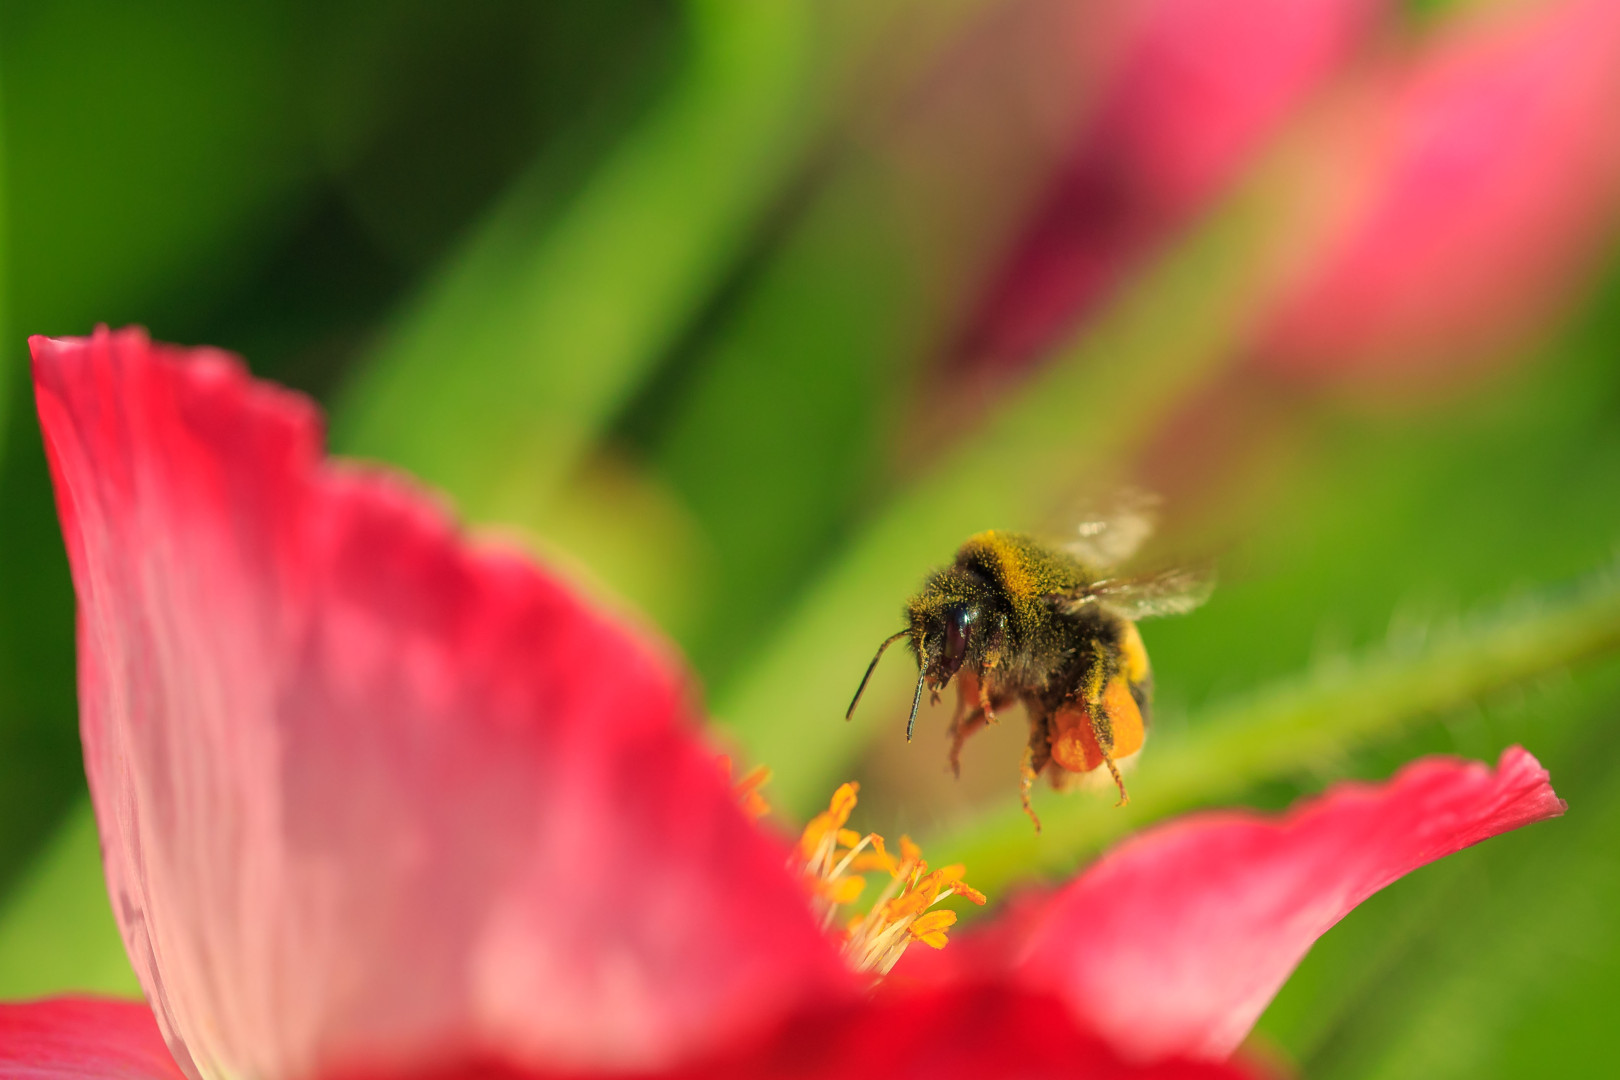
(678, 292)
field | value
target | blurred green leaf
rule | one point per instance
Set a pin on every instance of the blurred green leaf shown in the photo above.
(56, 930)
(1303, 724)
(153, 149)
(41, 770)
(5, 281)
(772, 435)
(424, 112)
(504, 372)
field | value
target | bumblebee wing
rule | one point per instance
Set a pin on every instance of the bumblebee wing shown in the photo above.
(1169, 592)
(1116, 530)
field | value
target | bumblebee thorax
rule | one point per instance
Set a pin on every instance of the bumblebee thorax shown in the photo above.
(1020, 570)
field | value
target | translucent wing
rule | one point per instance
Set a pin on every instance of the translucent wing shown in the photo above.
(1169, 592)
(1115, 531)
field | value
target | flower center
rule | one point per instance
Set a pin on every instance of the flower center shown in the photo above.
(835, 863)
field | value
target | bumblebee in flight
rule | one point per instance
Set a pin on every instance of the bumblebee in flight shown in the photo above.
(1017, 620)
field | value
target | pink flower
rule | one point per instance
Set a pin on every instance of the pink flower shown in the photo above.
(375, 801)
(1191, 90)
(1470, 187)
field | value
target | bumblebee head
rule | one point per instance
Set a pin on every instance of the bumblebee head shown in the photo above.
(947, 623)
(945, 628)
(942, 639)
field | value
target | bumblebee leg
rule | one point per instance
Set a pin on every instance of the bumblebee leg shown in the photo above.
(963, 721)
(1102, 729)
(1037, 753)
(1102, 721)
(1119, 781)
(1026, 780)
(961, 728)
(984, 703)
(961, 706)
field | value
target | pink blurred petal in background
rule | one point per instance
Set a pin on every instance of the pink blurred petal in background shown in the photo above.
(1191, 91)
(1477, 181)
(366, 793)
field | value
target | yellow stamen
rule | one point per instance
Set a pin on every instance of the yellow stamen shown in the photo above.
(969, 893)
(844, 890)
(827, 823)
(746, 790)
(877, 860)
(843, 802)
(835, 858)
(930, 928)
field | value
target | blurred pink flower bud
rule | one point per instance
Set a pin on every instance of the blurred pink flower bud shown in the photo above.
(1465, 192)
(1190, 91)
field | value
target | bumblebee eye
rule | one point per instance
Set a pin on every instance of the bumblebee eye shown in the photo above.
(957, 624)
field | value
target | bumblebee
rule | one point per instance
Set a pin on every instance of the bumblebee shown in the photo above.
(1013, 619)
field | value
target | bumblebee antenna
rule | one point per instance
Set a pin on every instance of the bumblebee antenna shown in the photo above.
(916, 699)
(871, 668)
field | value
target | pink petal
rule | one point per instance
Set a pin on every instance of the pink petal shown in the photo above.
(1469, 189)
(83, 1039)
(1193, 89)
(1177, 940)
(978, 1032)
(367, 792)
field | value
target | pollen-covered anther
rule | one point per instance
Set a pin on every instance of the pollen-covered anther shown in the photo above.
(835, 860)
(930, 928)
